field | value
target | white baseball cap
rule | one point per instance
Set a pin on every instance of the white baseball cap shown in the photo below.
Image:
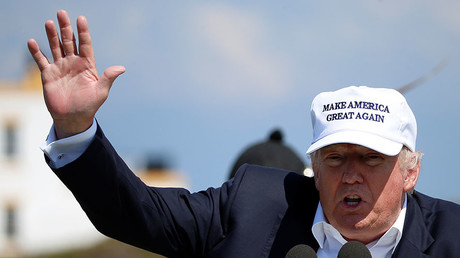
(377, 118)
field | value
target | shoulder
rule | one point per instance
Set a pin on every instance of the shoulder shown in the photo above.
(272, 184)
(260, 176)
(434, 206)
(441, 217)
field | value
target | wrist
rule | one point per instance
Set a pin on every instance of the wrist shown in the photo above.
(65, 129)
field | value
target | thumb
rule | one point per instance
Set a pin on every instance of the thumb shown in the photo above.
(109, 76)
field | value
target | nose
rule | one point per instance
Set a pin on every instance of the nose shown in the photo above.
(352, 173)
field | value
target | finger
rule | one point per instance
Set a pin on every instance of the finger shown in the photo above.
(109, 76)
(53, 39)
(67, 36)
(84, 38)
(38, 56)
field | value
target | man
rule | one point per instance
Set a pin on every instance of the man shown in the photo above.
(363, 155)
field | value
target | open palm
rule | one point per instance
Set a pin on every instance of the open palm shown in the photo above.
(72, 88)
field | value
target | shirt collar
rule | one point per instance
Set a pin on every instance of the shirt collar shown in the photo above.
(329, 238)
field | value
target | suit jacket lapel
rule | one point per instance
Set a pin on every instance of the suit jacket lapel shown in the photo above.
(416, 238)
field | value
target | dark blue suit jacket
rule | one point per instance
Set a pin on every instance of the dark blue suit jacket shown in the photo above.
(262, 212)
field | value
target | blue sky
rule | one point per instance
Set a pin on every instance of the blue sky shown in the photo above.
(205, 79)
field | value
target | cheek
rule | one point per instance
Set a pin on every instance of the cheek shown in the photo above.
(326, 186)
(391, 195)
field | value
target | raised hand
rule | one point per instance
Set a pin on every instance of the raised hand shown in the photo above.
(72, 88)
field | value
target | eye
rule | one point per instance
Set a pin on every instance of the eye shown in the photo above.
(374, 159)
(334, 159)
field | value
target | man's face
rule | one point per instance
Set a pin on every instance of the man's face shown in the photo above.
(361, 190)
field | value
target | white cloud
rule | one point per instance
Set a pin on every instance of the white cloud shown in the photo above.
(243, 63)
(116, 39)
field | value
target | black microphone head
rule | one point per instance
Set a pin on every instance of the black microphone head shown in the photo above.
(354, 249)
(301, 251)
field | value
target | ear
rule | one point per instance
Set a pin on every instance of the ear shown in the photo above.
(411, 177)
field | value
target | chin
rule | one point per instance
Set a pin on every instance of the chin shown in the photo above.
(359, 231)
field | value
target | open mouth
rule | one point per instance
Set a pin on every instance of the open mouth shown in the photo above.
(352, 200)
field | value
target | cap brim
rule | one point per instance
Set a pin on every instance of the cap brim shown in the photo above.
(371, 141)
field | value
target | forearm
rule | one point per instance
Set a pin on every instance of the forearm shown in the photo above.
(121, 206)
(106, 190)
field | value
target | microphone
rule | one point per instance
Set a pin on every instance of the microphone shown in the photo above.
(301, 251)
(354, 249)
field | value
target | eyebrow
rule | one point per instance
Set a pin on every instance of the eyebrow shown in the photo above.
(334, 147)
(344, 147)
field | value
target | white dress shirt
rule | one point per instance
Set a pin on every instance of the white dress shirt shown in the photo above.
(63, 151)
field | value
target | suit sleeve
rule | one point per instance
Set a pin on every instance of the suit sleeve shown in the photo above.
(168, 221)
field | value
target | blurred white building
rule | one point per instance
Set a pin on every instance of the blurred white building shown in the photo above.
(37, 213)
